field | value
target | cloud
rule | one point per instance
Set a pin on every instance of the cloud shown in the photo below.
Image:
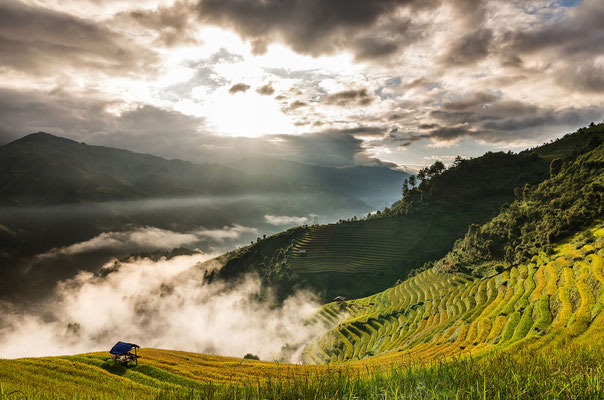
(578, 33)
(469, 49)
(143, 238)
(266, 90)
(226, 233)
(39, 40)
(485, 118)
(150, 238)
(239, 87)
(167, 305)
(312, 26)
(584, 75)
(352, 97)
(294, 105)
(166, 133)
(86, 118)
(172, 26)
(285, 220)
(474, 101)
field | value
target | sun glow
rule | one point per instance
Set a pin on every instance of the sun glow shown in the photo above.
(246, 114)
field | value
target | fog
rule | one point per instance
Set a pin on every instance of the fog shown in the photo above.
(285, 220)
(163, 304)
(152, 238)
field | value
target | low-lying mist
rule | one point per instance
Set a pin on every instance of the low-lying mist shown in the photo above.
(164, 304)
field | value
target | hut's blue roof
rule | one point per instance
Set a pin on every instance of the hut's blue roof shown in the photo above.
(122, 348)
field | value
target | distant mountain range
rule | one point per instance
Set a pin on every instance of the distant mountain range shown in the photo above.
(42, 169)
(56, 192)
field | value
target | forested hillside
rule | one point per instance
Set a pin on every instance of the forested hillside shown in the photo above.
(531, 276)
(357, 257)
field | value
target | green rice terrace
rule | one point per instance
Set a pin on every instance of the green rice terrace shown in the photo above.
(437, 335)
(513, 310)
(352, 258)
(434, 314)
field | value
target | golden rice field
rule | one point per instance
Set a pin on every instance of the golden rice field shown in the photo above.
(534, 331)
(435, 315)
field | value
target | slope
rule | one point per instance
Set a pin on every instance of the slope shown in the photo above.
(550, 292)
(545, 301)
(518, 326)
(537, 324)
(355, 258)
(377, 185)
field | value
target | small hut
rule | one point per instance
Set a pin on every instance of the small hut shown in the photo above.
(122, 353)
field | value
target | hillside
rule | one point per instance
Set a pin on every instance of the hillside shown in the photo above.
(546, 301)
(55, 192)
(450, 331)
(411, 341)
(42, 169)
(544, 291)
(355, 258)
(374, 185)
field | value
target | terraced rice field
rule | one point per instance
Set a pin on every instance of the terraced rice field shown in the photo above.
(436, 315)
(174, 372)
(380, 245)
(545, 314)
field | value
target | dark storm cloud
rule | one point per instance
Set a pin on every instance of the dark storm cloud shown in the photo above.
(581, 33)
(373, 47)
(470, 48)
(145, 128)
(23, 112)
(471, 102)
(239, 87)
(266, 90)
(471, 12)
(308, 26)
(333, 148)
(39, 41)
(490, 119)
(174, 25)
(352, 97)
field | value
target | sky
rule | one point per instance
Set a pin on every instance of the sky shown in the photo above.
(339, 83)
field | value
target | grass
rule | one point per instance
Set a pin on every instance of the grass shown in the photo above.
(531, 332)
(573, 372)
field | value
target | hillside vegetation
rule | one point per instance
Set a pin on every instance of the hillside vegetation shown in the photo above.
(527, 322)
(55, 192)
(412, 341)
(355, 258)
(544, 303)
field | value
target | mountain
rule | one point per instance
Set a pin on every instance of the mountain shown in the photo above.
(544, 290)
(55, 192)
(525, 323)
(355, 258)
(42, 169)
(374, 185)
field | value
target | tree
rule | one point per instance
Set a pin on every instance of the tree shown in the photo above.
(436, 169)
(457, 161)
(405, 188)
(421, 174)
(412, 181)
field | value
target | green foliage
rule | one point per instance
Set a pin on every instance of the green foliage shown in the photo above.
(468, 182)
(545, 214)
